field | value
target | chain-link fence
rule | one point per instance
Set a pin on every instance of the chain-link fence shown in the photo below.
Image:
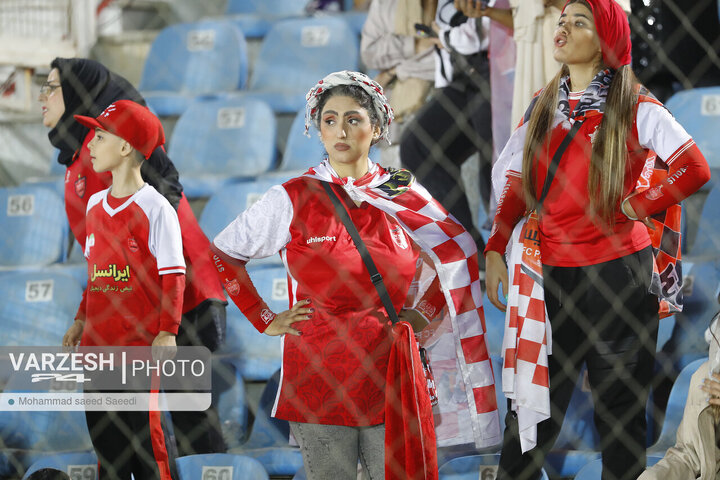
(231, 94)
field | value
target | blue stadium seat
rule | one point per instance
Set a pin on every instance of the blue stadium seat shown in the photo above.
(707, 240)
(216, 142)
(295, 54)
(698, 111)
(37, 307)
(193, 59)
(593, 470)
(675, 409)
(76, 465)
(257, 356)
(302, 152)
(473, 467)
(224, 466)
(268, 440)
(255, 17)
(35, 226)
(356, 19)
(229, 390)
(687, 342)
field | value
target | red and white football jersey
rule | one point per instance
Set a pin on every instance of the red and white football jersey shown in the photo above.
(127, 249)
(334, 373)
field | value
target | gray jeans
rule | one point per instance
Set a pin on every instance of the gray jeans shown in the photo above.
(331, 452)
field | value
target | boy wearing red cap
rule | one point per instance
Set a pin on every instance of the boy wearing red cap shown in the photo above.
(133, 232)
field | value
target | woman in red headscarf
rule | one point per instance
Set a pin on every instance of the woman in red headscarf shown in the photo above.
(589, 139)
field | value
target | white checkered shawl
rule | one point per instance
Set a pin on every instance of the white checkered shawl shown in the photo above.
(467, 410)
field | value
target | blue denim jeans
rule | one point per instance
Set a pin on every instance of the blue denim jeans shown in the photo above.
(331, 452)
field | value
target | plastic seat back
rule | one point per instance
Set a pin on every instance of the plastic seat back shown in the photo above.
(302, 152)
(220, 466)
(675, 408)
(473, 467)
(266, 7)
(197, 58)
(233, 137)
(698, 111)
(76, 465)
(707, 241)
(33, 219)
(296, 53)
(37, 307)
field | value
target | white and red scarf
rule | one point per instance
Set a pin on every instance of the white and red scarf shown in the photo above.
(467, 409)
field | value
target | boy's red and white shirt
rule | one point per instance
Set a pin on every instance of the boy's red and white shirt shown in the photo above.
(127, 249)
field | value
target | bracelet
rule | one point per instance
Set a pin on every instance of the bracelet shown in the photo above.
(622, 209)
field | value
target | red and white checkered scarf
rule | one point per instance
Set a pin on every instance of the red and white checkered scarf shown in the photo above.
(467, 410)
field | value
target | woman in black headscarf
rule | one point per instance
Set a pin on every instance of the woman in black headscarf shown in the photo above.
(77, 86)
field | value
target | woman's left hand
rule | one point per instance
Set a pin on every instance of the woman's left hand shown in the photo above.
(627, 208)
(711, 386)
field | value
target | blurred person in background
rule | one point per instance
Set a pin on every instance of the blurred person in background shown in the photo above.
(338, 344)
(77, 86)
(576, 160)
(391, 44)
(696, 454)
(457, 121)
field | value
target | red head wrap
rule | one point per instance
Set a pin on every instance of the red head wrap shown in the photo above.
(613, 29)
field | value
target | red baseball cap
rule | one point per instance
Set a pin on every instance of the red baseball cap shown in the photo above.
(131, 122)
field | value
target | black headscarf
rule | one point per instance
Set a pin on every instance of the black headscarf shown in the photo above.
(88, 87)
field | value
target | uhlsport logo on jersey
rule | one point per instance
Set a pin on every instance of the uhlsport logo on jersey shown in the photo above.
(321, 239)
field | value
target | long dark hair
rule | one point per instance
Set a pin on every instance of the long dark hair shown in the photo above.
(608, 161)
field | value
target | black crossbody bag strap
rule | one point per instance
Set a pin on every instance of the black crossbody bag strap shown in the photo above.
(375, 276)
(552, 168)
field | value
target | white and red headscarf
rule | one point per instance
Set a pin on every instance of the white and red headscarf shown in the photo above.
(381, 104)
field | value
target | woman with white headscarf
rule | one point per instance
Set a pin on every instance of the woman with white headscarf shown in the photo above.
(348, 377)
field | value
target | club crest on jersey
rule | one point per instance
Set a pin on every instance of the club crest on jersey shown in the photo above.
(232, 287)
(132, 244)
(80, 187)
(267, 316)
(654, 193)
(398, 236)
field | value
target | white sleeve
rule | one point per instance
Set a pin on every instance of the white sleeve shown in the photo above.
(165, 239)
(260, 231)
(659, 131)
(463, 38)
(510, 160)
(380, 48)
